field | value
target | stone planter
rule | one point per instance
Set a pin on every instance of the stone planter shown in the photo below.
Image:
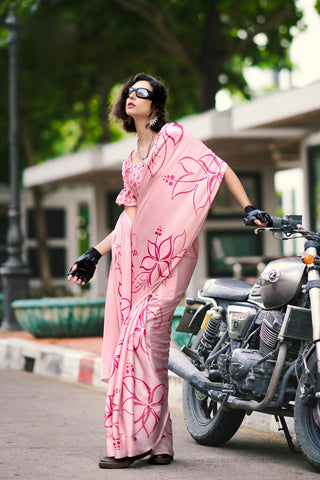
(73, 317)
(61, 317)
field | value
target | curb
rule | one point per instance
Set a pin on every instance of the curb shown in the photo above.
(83, 367)
(67, 364)
(50, 361)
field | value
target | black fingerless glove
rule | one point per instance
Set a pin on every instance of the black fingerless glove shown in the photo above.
(256, 214)
(86, 265)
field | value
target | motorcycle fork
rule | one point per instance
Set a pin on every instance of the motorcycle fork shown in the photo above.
(313, 287)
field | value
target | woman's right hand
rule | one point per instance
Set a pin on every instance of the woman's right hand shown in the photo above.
(73, 276)
(84, 267)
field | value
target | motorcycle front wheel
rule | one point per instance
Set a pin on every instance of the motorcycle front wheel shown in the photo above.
(307, 420)
(206, 421)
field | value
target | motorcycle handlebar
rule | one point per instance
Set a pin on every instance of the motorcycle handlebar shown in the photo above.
(274, 222)
(278, 222)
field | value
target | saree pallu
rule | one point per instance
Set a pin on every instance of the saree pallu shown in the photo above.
(152, 263)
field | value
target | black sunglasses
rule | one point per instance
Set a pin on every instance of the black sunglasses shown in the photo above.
(141, 92)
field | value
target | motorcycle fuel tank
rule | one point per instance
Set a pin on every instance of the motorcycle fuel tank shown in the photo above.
(280, 281)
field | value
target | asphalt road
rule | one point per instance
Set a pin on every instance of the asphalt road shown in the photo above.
(53, 430)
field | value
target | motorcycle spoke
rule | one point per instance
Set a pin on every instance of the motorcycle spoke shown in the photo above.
(206, 408)
(209, 408)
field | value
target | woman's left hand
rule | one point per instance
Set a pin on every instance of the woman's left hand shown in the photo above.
(259, 217)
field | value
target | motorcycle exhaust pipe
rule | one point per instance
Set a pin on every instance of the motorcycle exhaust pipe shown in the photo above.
(182, 367)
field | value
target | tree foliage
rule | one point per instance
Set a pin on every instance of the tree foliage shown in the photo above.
(214, 40)
(72, 54)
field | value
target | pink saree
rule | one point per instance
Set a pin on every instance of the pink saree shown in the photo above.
(152, 263)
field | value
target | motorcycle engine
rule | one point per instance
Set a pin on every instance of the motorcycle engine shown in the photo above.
(250, 370)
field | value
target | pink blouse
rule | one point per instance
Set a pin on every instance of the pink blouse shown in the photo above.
(131, 174)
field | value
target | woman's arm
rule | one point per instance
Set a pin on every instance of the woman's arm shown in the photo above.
(104, 246)
(236, 188)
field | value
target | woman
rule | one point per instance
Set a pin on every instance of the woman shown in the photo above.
(170, 180)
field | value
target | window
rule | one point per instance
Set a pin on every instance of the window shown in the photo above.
(55, 223)
(224, 246)
(314, 186)
(58, 262)
(225, 205)
(55, 219)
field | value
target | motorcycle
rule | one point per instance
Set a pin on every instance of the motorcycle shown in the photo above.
(256, 348)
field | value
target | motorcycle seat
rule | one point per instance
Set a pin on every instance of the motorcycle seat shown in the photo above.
(227, 289)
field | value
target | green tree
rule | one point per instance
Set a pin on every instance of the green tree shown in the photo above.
(213, 40)
(73, 53)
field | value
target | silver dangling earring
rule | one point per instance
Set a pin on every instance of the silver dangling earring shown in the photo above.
(153, 122)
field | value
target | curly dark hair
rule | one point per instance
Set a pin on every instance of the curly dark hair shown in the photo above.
(157, 108)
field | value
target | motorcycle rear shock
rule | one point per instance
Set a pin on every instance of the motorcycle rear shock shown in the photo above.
(211, 326)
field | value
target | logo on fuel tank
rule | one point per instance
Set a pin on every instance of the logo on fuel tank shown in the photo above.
(273, 276)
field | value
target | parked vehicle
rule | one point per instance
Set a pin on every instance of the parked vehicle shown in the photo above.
(256, 348)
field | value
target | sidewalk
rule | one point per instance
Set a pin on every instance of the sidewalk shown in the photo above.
(93, 344)
(78, 360)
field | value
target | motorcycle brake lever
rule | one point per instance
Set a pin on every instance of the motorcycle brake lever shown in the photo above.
(261, 229)
(286, 229)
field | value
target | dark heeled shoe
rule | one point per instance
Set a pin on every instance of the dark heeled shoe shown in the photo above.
(161, 459)
(111, 462)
